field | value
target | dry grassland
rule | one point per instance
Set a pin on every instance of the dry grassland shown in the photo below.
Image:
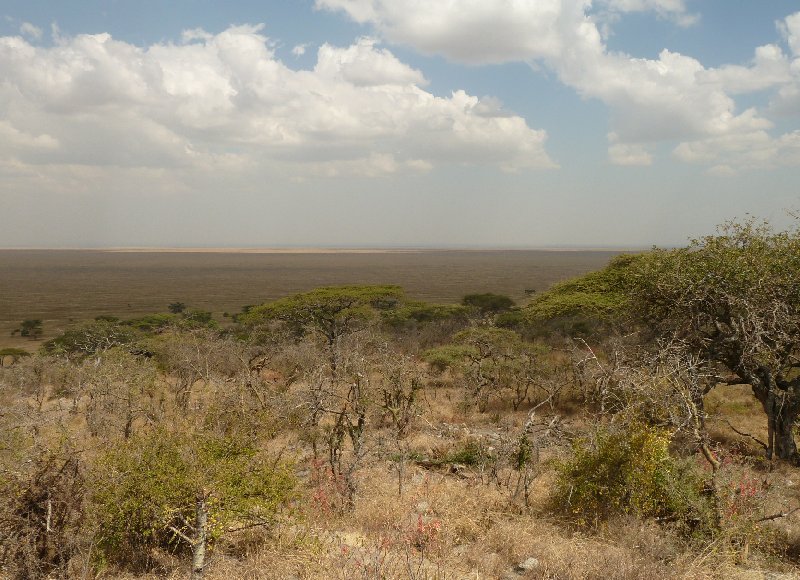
(62, 286)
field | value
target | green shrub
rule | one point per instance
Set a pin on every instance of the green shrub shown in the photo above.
(630, 471)
(90, 338)
(152, 322)
(447, 356)
(488, 303)
(198, 319)
(146, 491)
(471, 453)
(414, 313)
(513, 319)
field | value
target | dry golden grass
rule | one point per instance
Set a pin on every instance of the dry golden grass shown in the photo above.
(477, 538)
(465, 523)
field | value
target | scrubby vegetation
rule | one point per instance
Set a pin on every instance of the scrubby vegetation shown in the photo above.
(638, 421)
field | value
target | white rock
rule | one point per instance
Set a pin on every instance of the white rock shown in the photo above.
(528, 565)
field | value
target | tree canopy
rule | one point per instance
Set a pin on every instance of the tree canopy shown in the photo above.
(732, 298)
(488, 303)
(330, 311)
(600, 294)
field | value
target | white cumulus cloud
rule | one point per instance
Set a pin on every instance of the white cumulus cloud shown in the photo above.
(225, 102)
(673, 98)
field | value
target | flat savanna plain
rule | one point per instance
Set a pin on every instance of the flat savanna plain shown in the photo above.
(63, 287)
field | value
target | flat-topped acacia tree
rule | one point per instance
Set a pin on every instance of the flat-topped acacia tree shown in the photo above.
(732, 298)
(331, 311)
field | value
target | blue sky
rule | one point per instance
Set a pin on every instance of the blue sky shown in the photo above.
(506, 123)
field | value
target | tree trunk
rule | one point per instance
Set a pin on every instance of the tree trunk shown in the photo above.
(781, 408)
(199, 545)
(784, 417)
(333, 355)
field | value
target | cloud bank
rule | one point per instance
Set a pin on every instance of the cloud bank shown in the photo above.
(224, 103)
(673, 98)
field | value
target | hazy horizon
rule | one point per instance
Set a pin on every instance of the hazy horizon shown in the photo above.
(331, 248)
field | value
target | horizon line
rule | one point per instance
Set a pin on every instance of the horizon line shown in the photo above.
(289, 249)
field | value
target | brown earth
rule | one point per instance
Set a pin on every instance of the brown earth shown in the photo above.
(65, 286)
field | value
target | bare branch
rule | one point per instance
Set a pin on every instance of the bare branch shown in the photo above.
(748, 435)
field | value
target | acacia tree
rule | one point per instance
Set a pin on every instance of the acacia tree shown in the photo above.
(331, 312)
(488, 303)
(732, 298)
(30, 328)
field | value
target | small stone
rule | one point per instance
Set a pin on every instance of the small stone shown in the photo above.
(527, 565)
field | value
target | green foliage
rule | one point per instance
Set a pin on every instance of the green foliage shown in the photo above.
(198, 319)
(157, 323)
(513, 319)
(31, 328)
(629, 471)
(416, 313)
(146, 488)
(747, 274)
(326, 308)
(331, 312)
(471, 453)
(733, 299)
(447, 356)
(488, 303)
(106, 318)
(90, 338)
(176, 307)
(599, 294)
(14, 353)
(151, 323)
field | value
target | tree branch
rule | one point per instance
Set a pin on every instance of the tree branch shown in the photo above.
(777, 515)
(748, 435)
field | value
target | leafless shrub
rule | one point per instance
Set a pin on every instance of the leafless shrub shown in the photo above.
(42, 516)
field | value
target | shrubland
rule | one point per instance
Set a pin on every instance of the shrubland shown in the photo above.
(638, 421)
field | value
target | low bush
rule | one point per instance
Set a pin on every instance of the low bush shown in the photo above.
(148, 489)
(629, 470)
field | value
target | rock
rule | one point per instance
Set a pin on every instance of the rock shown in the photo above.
(527, 565)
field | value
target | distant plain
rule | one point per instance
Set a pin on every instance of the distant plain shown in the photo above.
(63, 287)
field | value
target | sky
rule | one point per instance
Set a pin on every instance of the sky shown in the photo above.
(395, 123)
